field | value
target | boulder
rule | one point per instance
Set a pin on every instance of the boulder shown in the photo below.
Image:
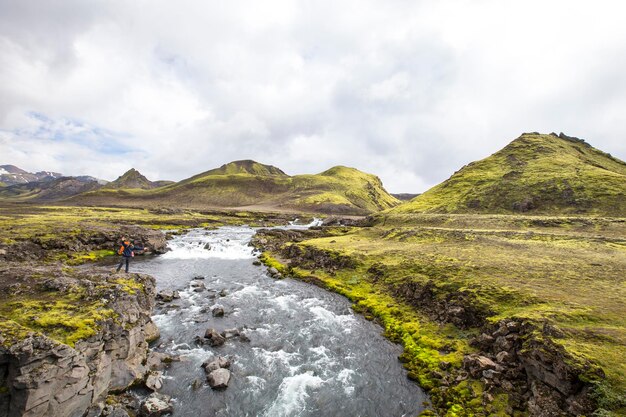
(219, 378)
(485, 363)
(214, 338)
(197, 286)
(503, 357)
(156, 405)
(118, 411)
(154, 380)
(156, 361)
(217, 311)
(215, 364)
(476, 365)
(151, 332)
(166, 296)
(230, 333)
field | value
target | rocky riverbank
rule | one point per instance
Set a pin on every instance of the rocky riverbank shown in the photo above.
(69, 336)
(511, 366)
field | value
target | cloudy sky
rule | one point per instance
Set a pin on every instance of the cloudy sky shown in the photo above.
(409, 90)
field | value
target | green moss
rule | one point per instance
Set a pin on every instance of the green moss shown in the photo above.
(62, 317)
(272, 262)
(12, 332)
(81, 258)
(129, 285)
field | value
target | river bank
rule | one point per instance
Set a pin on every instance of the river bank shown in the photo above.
(69, 334)
(498, 315)
(304, 352)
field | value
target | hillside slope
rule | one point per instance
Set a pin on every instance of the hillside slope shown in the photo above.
(248, 183)
(133, 179)
(49, 189)
(535, 173)
(11, 175)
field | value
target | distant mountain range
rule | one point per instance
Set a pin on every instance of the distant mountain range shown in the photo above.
(535, 173)
(239, 184)
(249, 184)
(11, 175)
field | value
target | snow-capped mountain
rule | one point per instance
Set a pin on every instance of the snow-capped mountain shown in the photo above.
(11, 175)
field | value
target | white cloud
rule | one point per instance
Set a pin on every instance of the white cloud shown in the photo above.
(407, 90)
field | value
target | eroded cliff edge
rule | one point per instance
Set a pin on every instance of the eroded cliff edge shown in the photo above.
(70, 335)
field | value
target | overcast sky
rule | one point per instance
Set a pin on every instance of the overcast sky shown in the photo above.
(408, 90)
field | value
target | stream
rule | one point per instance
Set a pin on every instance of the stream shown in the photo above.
(308, 354)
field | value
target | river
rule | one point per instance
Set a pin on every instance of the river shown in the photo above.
(308, 354)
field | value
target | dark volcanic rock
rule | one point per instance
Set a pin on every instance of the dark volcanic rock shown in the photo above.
(214, 338)
(217, 311)
(167, 295)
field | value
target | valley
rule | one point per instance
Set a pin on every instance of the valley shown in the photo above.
(503, 286)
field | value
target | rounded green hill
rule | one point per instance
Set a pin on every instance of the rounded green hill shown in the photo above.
(537, 173)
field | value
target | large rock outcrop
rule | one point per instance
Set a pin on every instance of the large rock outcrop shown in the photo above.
(40, 376)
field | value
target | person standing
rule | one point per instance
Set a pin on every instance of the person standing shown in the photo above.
(127, 250)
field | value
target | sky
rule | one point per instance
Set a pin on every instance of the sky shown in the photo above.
(408, 90)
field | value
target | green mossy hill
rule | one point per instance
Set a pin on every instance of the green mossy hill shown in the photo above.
(536, 173)
(438, 284)
(133, 179)
(243, 167)
(339, 190)
(248, 183)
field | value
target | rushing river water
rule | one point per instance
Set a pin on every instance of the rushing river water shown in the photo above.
(308, 354)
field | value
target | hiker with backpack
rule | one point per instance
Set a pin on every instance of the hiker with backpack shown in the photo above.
(127, 250)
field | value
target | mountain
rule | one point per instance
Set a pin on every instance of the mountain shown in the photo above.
(11, 175)
(535, 173)
(254, 185)
(49, 189)
(132, 179)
